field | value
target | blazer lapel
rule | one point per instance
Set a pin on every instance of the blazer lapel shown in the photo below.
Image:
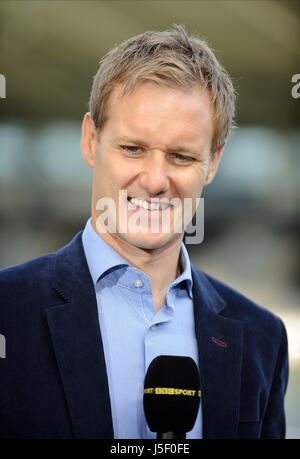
(220, 345)
(78, 346)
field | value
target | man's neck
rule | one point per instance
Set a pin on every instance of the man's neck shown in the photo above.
(161, 265)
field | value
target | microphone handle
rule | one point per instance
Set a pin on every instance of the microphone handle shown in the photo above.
(171, 436)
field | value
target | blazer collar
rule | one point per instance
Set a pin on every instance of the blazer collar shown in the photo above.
(220, 347)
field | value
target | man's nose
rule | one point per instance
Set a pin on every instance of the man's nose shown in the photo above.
(155, 175)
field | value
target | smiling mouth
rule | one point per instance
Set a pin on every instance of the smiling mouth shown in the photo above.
(151, 206)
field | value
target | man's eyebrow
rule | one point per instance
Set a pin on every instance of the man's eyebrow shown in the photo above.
(183, 149)
(173, 149)
(130, 139)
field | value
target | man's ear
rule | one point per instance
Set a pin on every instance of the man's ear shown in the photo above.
(214, 164)
(88, 139)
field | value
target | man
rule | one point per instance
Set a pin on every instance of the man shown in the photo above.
(83, 324)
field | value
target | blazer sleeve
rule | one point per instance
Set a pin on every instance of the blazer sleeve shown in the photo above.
(274, 423)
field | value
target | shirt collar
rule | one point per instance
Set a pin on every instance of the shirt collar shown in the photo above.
(186, 274)
(101, 257)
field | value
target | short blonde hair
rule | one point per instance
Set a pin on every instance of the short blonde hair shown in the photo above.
(168, 58)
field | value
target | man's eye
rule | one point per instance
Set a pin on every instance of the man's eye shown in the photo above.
(181, 158)
(131, 148)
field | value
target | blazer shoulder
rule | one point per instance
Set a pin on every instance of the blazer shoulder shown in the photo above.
(37, 269)
(31, 282)
(240, 307)
(26, 284)
(27, 272)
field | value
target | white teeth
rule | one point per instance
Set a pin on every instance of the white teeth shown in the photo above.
(147, 205)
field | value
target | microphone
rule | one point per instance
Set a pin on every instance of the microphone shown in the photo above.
(171, 396)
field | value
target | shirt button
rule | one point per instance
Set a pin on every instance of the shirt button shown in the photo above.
(153, 327)
(138, 283)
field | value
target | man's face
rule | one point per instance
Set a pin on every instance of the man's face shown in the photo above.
(155, 146)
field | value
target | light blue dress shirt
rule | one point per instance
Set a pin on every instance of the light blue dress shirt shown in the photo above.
(134, 333)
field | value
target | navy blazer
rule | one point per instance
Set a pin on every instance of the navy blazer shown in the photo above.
(53, 381)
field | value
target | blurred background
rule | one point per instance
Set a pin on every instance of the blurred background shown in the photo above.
(49, 52)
